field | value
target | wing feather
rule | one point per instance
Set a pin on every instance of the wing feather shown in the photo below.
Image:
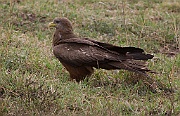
(79, 53)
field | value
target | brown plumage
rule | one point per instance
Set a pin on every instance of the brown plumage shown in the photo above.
(80, 55)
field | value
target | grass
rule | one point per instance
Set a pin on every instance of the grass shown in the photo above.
(33, 82)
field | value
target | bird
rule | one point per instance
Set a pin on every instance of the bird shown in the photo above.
(81, 55)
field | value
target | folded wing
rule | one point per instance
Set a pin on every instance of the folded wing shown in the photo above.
(131, 52)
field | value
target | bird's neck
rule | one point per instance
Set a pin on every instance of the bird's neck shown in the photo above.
(62, 36)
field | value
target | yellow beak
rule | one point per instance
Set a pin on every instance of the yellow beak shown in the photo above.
(51, 24)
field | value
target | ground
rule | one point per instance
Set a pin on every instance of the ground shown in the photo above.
(33, 82)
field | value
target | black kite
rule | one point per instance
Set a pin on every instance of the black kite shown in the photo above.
(80, 55)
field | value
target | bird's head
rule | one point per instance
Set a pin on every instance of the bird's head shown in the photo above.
(63, 25)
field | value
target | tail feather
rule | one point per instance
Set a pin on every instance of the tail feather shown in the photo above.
(139, 56)
(132, 65)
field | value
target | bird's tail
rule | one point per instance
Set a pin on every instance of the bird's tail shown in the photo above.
(132, 65)
(139, 56)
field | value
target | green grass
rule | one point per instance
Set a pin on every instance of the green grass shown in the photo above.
(33, 82)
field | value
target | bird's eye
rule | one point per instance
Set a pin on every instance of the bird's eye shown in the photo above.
(57, 21)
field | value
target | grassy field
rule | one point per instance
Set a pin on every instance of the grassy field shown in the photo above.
(33, 82)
